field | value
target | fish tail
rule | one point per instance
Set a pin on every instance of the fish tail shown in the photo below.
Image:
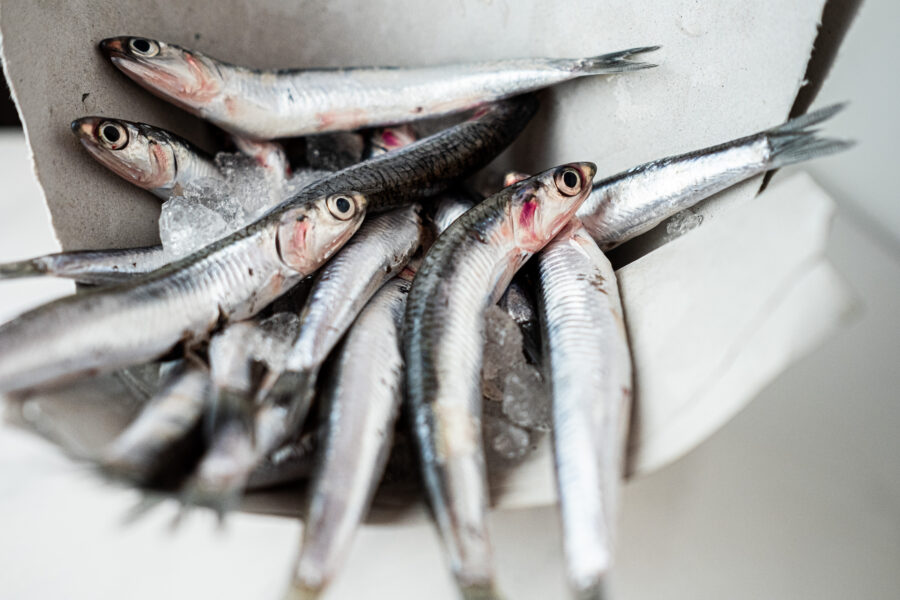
(23, 268)
(795, 142)
(614, 62)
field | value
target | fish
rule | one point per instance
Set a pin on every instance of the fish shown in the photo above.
(154, 439)
(237, 356)
(236, 276)
(466, 270)
(590, 373)
(92, 267)
(146, 317)
(294, 102)
(381, 249)
(635, 201)
(362, 403)
(149, 157)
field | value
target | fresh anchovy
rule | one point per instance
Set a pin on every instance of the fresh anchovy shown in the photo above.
(287, 103)
(466, 270)
(145, 447)
(590, 374)
(431, 164)
(237, 355)
(362, 402)
(148, 157)
(342, 288)
(142, 319)
(236, 276)
(94, 267)
(633, 202)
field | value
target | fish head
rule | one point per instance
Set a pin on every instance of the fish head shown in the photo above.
(188, 79)
(139, 153)
(310, 233)
(540, 206)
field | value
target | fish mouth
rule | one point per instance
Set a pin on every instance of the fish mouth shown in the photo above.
(187, 79)
(587, 170)
(114, 47)
(84, 128)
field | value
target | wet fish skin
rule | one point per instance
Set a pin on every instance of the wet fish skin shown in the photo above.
(149, 157)
(92, 267)
(590, 376)
(238, 275)
(237, 356)
(450, 206)
(466, 270)
(363, 401)
(144, 318)
(430, 165)
(358, 436)
(287, 103)
(630, 203)
(380, 250)
(145, 447)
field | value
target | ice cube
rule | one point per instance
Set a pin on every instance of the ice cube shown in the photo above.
(186, 225)
(682, 222)
(526, 401)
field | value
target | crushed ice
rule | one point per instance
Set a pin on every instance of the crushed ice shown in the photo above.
(681, 223)
(516, 401)
(210, 209)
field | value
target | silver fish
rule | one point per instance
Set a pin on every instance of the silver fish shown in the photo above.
(236, 356)
(140, 320)
(93, 267)
(236, 276)
(626, 205)
(287, 103)
(145, 447)
(590, 375)
(379, 251)
(147, 156)
(363, 401)
(466, 270)
(450, 206)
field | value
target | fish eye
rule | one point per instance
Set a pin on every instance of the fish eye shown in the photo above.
(113, 135)
(143, 47)
(568, 181)
(341, 206)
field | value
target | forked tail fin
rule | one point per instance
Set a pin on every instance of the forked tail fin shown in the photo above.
(614, 62)
(795, 142)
